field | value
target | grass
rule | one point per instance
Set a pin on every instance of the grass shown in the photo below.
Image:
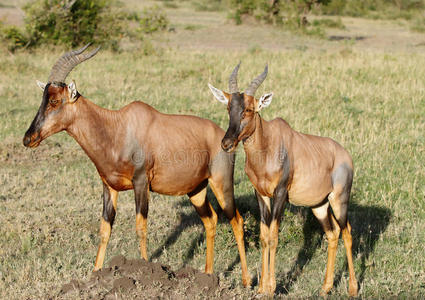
(372, 102)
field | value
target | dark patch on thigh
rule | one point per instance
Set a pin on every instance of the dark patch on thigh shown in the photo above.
(281, 192)
(343, 175)
(140, 185)
(108, 213)
(265, 214)
(223, 163)
(222, 168)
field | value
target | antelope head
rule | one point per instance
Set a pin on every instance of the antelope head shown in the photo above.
(242, 108)
(57, 105)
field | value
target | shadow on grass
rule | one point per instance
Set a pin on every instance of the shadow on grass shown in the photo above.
(187, 220)
(192, 218)
(312, 235)
(368, 223)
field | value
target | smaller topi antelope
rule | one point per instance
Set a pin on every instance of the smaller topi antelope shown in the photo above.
(139, 148)
(284, 164)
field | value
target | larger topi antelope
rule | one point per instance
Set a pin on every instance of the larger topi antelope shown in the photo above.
(140, 148)
(284, 164)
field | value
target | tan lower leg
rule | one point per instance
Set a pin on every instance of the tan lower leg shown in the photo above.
(346, 236)
(141, 230)
(265, 251)
(210, 224)
(332, 236)
(274, 234)
(237, 226)
(330, 266)
(105, 233)
(209, 219)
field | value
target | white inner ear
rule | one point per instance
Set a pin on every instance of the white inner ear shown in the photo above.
(264, 101)
(41, 85)
(218, 94)
(72, 91)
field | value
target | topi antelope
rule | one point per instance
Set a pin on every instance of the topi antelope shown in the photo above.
(139, 148)
(286, 165)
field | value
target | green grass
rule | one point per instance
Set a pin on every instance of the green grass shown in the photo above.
(371, 101)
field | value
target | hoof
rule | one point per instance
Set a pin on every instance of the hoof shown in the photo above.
(272, 288)
(261, 290)
(325, 290)
(246, 281)
(353, 290)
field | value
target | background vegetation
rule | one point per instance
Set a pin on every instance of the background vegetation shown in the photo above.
(363, 85)
(294, 14)
(74, 23)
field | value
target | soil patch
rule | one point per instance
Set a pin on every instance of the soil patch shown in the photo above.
(137, 278)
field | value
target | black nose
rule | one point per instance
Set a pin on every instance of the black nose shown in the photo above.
(27, 140)
(227, 144)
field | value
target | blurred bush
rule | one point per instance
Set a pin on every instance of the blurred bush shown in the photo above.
(76, 22)
(378, 9)
(152, 19)
(13, 37)
(289, 12)
(73, 22)
(293, 13)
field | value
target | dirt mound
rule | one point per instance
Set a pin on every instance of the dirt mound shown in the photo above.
(137, 278)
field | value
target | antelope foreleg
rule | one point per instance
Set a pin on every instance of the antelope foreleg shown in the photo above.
(141, 230)
(265, 212)
(280, 198)
(265, 252)
(223, 190)
(141, 195)
(110, 197)
(237, 226)
(209, 219)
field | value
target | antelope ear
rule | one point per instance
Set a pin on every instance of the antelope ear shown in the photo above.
(41, 85)
(221, 96)
(264, 101)
(72, 90)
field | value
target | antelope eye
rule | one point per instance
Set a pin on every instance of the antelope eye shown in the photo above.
(248, 110)
(54, 101)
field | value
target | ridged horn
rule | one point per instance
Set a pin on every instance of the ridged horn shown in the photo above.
(233, 80)
(68, 61)
(250, 91)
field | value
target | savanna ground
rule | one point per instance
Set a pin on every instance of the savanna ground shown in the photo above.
(368, 94)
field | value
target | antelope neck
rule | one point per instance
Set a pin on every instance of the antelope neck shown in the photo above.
(257, 140)
(94, 128)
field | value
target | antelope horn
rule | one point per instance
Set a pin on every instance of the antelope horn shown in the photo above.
(233, 80)
(250, 91)
(68, 61)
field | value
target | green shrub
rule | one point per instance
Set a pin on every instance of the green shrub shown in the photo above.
(76, 22)
(14, 37)
(73, 23)
(152, 19)
(291, 13)
(294, 12)
(209, 5)
(329, 23)
(382, 9)
(418, 25)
